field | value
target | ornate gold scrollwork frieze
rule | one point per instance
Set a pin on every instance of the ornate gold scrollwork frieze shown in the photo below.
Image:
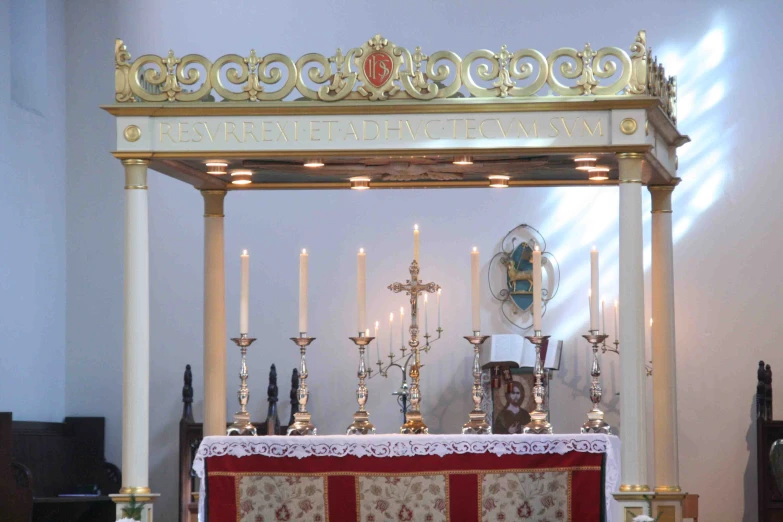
(379, 70)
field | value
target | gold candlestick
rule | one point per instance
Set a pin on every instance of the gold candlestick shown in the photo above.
(414, 423)
(242, 424)
(595, 417)
(477, 425)
(302, 424)
(361, 419)
(538, 425)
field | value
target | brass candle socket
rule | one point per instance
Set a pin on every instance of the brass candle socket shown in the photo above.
(595, 417)
(361, 419)
(538, 425)
(302, 424)
(477, 425)
(242, 424)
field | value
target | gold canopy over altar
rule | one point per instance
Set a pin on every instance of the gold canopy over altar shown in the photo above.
(382, 116)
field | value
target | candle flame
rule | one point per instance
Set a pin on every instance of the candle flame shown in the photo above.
(377, 323)
(594, 249)
(589, 292)
(438, 291)
(650, 321)
(367, 333)
(304, 251)
(537, 248)
(244, 252)
(391, 316)
(475, 249)
(415, 227)
(361, 251)
(402, 311)
(425, 298)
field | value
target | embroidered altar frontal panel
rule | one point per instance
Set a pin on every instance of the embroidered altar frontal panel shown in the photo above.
(424, 488)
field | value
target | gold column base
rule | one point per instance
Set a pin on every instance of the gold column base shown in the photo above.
(142, 498)
(301, 425)
(242, 425)
(477, 425)
(414, 424)
(667, 489)
(634, 488)
(361, 424)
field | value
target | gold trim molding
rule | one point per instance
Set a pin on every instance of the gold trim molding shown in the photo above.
(140, 490)
(379, 70)
(667, 489)
(135, 187)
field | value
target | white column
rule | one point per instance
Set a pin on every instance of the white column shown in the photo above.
(136, 354)
(214, 315)
(667, 479)
(633, 417)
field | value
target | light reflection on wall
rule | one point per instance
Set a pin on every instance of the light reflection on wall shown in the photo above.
(577, 221)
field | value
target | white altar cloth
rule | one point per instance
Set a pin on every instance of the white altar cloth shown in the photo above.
(395, 445)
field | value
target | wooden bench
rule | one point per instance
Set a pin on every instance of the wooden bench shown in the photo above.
(49, 461)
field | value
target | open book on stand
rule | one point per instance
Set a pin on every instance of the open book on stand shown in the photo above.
(513, 351)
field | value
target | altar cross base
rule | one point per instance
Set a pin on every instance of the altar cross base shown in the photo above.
(414, 423)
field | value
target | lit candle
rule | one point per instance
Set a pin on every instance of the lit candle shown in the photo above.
(303, 291)
(603, 316)
(439, 308)
(361, 288)
(474, 289)
(377, 348)
(416, 243)
(426, 321)
(402, 327)
(391, 334)
(244, 291)
(616, 320)
(537, 299)
(594, 289)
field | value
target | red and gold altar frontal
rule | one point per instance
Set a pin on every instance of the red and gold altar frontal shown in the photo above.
(379, 115)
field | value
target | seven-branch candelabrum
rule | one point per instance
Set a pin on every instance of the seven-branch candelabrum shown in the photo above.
(539, 423)
(414, 423)
(595, 417)
(477, 425)
(302, 424)
(242, 424)
(361, 419)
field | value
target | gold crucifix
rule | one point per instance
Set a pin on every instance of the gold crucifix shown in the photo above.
(414, 424)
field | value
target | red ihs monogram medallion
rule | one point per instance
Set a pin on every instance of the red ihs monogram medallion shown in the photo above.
(378, 68)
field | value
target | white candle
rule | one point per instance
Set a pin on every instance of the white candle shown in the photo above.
(603, 316)
(402, 327)
(439, 308)
(391, 334)
(361, 288)
(594, 289)
(475, 289)
(244, 291)
(377, 348)
(416, 243)
(303, 291)
(426, 321)
(616, 320)
(537, 296)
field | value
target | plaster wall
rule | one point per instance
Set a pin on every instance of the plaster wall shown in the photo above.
(32, 209)
(727, 223)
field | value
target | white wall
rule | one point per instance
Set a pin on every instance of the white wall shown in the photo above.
(726, 218)
(32, 209)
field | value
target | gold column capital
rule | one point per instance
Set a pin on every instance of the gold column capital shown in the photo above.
(630, 164)
(135, 161)
(661, 196)
(213, 202)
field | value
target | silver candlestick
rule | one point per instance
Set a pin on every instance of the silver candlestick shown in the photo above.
(477, 425)
(242, 424)
(538, 425)
(595, 417)
(361, 419)
(302, 424)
